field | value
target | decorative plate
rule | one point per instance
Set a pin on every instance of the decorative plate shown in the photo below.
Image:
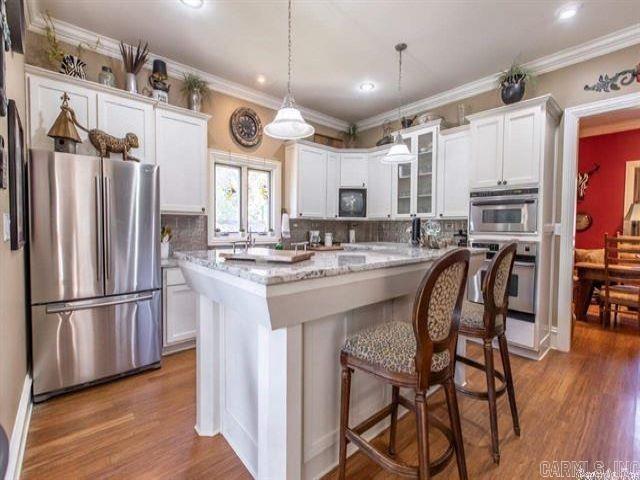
(246, 127)
(583, 221)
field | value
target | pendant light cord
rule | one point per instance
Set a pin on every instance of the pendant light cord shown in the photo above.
(289, 46)
(400, 85)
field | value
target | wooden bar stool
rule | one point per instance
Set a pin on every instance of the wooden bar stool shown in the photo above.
(488, 322)
(414, 356)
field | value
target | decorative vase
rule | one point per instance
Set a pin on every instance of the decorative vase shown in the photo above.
(131, 82)
(73, 66)
(164, 249)
(195, 101)
(106, 77)
(512, 92)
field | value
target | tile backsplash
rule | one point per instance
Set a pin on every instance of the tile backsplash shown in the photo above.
(367, 231)
(189, 231)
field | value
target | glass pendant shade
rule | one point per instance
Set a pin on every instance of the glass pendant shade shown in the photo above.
(398, 153)
(288, 124)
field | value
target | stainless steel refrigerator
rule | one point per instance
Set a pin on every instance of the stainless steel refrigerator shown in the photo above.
(94, 269)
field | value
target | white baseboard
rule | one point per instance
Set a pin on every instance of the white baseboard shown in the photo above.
(18, 440)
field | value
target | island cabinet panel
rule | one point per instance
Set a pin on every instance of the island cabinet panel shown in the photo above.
(306, 181)
(353, 170)
(45, 98)
(380, 177)
(181, 146)
(454, 160)
(119, 116)
(486, 147)
(333, 184)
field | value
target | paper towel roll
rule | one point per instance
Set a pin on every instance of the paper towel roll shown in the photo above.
(285, 228)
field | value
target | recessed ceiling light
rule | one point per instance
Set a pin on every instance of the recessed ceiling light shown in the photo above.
(261, 79)
(367, 86)
(193, 3)
(567, 11)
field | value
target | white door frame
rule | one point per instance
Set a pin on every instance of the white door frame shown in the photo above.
(570, 139)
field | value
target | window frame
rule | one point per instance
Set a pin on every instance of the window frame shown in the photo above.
(245, 163)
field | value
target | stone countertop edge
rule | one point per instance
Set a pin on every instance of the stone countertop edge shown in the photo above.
(322, 265)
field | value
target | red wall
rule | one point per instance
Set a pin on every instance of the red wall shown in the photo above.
(604, 198)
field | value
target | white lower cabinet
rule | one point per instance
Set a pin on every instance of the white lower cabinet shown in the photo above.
(454, 161)
(179, 312)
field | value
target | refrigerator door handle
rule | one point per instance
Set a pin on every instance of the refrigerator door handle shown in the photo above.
(107, 227)
(102, 302)
(99, 244)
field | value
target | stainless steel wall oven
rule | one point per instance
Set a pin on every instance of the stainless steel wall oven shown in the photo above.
(504, 211)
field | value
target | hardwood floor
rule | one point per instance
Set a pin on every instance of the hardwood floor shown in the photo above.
(578, 406)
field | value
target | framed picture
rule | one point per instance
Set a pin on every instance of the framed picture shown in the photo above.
(16, 177)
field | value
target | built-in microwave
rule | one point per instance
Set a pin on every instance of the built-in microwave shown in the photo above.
(504, 211)
(352, 202)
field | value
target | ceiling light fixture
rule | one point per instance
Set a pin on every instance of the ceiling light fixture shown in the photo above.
(367, 86)
(261, 79)
(193, 3)
(399, 152)
(567, 11)
(288, 124)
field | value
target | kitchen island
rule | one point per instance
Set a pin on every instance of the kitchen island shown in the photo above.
(269, 337)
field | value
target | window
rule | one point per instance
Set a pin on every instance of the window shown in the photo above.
(259, 202)
(246, 197)
(228, 198)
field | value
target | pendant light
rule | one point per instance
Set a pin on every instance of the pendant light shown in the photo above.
(399, 152)
(288, 124)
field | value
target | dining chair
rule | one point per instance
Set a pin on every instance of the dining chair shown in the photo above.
(621, 277)
(416, 355)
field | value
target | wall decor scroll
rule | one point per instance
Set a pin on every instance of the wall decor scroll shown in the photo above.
(623, 78)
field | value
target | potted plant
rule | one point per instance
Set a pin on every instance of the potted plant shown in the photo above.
(513, 81)
(195, 89)
(133, 63)
(352, 133)
(165, 237)
(69, 64)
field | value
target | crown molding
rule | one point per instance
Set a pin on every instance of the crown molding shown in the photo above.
(569, 56)
(110, 47)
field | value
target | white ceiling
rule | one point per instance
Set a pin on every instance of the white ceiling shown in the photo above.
(340, 43)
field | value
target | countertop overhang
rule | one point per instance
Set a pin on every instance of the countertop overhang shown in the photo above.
(331, 282)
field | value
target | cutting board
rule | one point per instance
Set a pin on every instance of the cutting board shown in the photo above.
(268, 255)
(322, 248)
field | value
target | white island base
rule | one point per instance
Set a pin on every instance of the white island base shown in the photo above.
(268, 369)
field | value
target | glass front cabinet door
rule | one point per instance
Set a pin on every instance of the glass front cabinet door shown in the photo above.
(414, 185)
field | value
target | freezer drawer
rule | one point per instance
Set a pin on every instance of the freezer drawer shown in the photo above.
(79, 342)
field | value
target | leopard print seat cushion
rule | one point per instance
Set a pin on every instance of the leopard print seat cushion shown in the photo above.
(391, 346)
(472, 315)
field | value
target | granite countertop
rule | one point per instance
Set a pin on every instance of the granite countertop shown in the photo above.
(360, 258)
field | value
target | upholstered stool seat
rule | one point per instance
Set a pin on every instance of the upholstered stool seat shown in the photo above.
(391, 346)
(472, 317)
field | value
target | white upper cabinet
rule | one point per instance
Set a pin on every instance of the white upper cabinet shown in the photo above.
(486, 146)
(413, 185)
(333, 183)
(454, 159)
(181, 146)
(45, 98)
(353, 170)
(169, 136)
(306, 179)
(119, 116)
(507, 143)
(522, 141)
(380, 177)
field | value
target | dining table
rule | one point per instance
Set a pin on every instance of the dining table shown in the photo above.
(591, 275)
